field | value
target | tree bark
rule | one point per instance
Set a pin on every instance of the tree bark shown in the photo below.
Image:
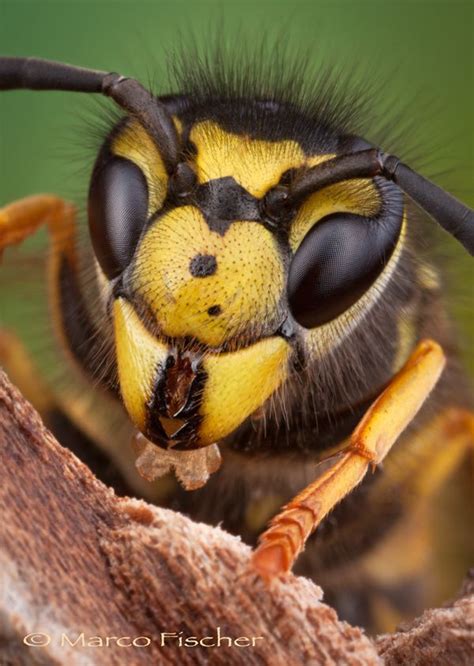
(79, 564)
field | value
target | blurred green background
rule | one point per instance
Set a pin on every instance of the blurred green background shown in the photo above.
(420, 55)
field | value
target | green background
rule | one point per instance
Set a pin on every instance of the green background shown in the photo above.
(420, 55)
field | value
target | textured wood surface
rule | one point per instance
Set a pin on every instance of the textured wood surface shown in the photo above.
(75, 559)
(79, 564)
(441, 636)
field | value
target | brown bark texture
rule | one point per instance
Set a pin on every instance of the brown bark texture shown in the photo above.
(83, 573)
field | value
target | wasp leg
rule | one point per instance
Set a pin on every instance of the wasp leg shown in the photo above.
(417, 472)
(17, 363)
(434, 453)
(373, 438)
(22, 218)
(74, 327)
(384, 586)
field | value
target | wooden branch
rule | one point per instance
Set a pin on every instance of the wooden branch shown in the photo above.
(78, 565)
(441, 636)
(76, 560)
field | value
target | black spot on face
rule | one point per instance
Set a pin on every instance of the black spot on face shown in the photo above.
(214, 310)
(203, 265)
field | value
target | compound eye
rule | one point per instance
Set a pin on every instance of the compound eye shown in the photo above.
(337, 262)
(118, 205)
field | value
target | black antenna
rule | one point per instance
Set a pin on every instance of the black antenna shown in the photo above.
(129, 94)
(456, 218)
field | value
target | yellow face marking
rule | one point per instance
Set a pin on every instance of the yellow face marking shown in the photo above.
(237, 383)
(134, 144)
(139, 355)
(358, 196)
(245, 286)
(257, 165)
(240, 382)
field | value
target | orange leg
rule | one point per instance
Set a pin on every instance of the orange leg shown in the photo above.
(22, 218)
(373, 438)
(15, 360)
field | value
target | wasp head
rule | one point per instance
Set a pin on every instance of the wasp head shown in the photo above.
(197, 263)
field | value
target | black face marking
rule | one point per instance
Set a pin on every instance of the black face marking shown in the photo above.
(203, 265)
(223, 200)
(214, 310)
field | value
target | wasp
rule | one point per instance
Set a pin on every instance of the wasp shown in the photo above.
(265, 319)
